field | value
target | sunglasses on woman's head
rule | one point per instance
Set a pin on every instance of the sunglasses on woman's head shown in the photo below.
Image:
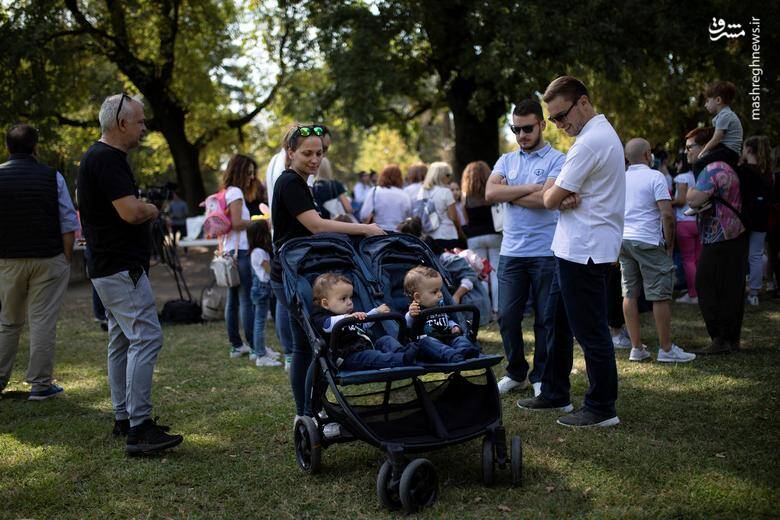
(306, 131)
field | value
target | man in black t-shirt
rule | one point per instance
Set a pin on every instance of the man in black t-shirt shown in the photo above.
(116, 226)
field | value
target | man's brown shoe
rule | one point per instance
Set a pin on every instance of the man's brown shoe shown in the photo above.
(717, 346)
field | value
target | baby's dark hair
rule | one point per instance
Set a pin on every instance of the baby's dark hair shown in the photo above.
(258, 234)
(416, 275)
(410, 226)
(324, 283)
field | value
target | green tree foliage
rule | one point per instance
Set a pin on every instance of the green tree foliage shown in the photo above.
(192, 61)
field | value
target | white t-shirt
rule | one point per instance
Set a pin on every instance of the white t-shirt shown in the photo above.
(595, 169)
(233, 194)
(360, 192)
(256, 258)
(413, 190)
(390, 206)
(687, 179)
(272, 173)
(442, 200)
(644, 188)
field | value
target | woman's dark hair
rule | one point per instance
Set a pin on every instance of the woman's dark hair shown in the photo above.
(239, 172)
(700, 135)
(760, 147)
(259, 235)
(474, 179)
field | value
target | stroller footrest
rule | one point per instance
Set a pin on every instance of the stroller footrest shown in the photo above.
(353, 377)
(477, 363)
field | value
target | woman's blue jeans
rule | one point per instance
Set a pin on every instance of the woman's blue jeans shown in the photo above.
(239, 299)
(261, 297)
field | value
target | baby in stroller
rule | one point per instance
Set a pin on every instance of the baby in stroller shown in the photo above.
(440, 332)
(355, 351)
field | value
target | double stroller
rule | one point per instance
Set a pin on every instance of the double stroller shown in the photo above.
(400, 410)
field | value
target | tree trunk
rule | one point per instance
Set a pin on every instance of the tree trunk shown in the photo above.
(476, 136)
(186, 155)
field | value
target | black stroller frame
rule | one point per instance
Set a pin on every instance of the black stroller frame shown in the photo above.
(443, 412)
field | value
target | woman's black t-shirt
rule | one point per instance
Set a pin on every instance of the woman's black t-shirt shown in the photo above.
(291, 197)
(480, 218)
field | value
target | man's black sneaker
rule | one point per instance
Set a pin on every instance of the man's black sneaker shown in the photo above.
(121, 428)
(540, 403)
(583, 418)
(148, 437)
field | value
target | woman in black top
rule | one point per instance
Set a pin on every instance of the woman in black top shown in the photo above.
(480, 233)
(294, 215)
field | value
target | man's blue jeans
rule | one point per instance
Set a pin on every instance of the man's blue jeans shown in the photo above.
(519, 278)
(239, 299)
(578, 305)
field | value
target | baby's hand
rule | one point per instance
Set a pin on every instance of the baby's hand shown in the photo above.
(414, 309)
(359, 315)
(455, 329)
(384, 309)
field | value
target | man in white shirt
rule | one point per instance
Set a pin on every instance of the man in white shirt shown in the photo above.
(646, 254)
(587, 240)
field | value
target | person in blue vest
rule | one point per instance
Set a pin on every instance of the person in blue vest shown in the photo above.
(36, 244)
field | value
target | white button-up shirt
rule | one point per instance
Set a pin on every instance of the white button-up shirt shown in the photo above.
(595, 169)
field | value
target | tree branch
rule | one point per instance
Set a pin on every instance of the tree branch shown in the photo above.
(168, 33)
(63, 120)
(238, 122)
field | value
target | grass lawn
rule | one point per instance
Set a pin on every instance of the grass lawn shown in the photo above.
(696, 440)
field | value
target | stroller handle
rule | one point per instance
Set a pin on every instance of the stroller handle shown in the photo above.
(419, 320)
(346, 322)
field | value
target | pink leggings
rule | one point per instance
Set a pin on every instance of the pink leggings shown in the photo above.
(690, 249)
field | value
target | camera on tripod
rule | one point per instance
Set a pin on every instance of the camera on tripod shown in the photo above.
(159, 194)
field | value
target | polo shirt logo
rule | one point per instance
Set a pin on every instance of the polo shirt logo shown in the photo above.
(539, 172)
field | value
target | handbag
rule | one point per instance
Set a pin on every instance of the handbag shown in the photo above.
(497, 211)
(225, 266)
(213, 301)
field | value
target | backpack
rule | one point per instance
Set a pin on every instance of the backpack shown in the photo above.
(217, 221)
(755, 199)
(424, 209)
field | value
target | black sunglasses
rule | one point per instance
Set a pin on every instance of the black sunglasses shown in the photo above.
(525, 128)
(558, 118)
(119, 110)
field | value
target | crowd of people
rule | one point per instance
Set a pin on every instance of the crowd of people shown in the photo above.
(583, 240)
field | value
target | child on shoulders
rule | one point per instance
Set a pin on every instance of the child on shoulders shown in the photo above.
(726, 143)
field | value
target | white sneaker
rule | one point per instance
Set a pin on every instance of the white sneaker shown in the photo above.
(621, 341)
(507, 384)
(272, 353)
(265, 361)
(675, 355)
(252, 357)
(331, 430)
(639, 354)
(686, 298)
(752, 300)
(239, 351)
(537, 389)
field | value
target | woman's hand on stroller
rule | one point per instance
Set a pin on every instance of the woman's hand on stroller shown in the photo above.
(384, 309)
(372, 229)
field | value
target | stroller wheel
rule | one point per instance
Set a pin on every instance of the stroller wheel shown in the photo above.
(419, 485)
(387, 493)
(488, 462)
(307, 445)
(517, 461)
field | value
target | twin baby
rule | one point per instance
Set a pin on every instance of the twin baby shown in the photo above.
(440, 342)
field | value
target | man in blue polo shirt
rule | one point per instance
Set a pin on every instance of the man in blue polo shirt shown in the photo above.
(526, 264)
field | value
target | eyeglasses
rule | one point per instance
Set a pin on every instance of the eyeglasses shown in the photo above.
(689, 147)
(559, 117)
(306, 131)
(525, 128)
(119, 110)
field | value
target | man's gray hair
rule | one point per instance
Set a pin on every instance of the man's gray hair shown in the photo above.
(108, 115)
